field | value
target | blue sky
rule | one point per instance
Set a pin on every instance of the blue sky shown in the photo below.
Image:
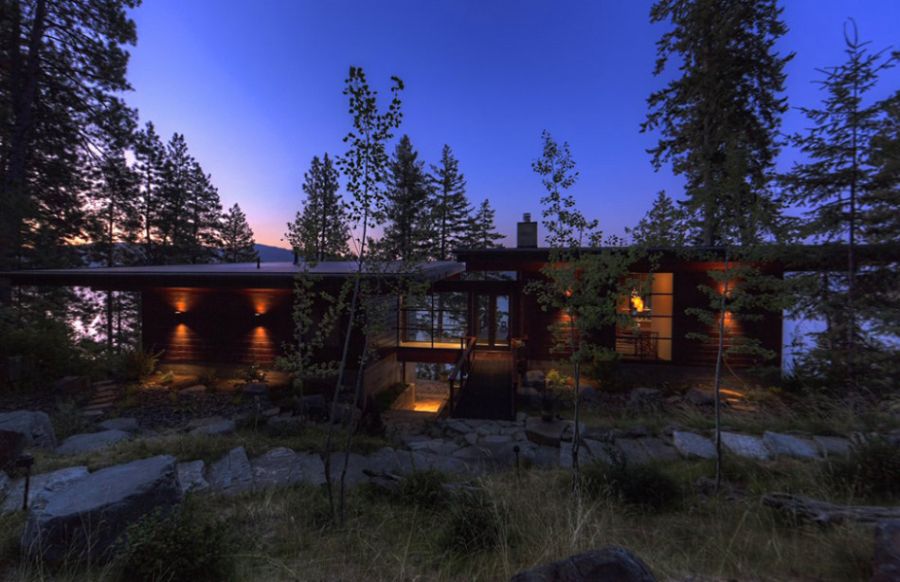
(256, 89)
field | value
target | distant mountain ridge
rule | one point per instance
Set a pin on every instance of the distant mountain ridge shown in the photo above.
(270, 254)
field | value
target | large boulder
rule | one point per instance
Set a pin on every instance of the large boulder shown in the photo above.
(191, 476)
(220, 426)
(886, 565)
(35, 426)
(82, 521)
(786, 445)
(123, 424)
(745, 445)
(90, 442)
(232, 474)
(40, 487)
(544, 432)
(692, 445)
(281, 467)
(608, 564)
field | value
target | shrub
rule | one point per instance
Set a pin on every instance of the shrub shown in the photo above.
(646, 486)
(137, 364)
(605, 367)
(424, 489)
(253, 373)
(474, 523)
(871, 470)
(37, 351)
(178, 546)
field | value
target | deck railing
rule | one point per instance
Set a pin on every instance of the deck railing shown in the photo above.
(460, 373)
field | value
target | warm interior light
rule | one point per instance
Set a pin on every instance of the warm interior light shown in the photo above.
(427, 405)
(637, 303)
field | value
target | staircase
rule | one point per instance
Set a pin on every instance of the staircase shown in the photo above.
(489, 390)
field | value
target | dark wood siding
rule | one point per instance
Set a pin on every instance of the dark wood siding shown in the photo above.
(217, 325)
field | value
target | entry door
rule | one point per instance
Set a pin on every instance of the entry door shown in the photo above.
(492, 323)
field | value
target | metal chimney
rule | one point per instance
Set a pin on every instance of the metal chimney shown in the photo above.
(526, 233)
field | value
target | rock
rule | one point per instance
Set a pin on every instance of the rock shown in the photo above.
(692, 445)
(123, 424)
(232, 474)
(658, 450)
(632, 451)
(270, 412)
(260, 389)
(82, 521)
(90, 442)
(41, 485)
(535, 379)
(190, 476)
(608, 564)
(644, 400)
(545, 457)
(193, 390)
(313, 406)
(280, 467)
(886, 563)
(590, 395)
(219, 427)
(745, 445)
(201, 422)
(699, 397)
(832, 446)
(5, 484)
(595, 451)
(789, 446)
(356, 466)
(544, 432)
(12, 445)
(35, 426)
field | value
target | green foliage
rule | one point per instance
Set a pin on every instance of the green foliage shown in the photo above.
(69, 419)
(605, 366)
(662, 226)
(320, 231)
(136, 364)
(424, 489)
(646, 486)
(182, 546)
(481, 232)
(38, 350)
(449, 207)
(237, 237)
(872, 470)
(716, 129)
(474, 523)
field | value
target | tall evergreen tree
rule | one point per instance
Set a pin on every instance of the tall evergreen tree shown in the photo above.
(150, 160)
(238, 245)
(719, 119)
(481, 233)
(405, 210)
(840, 184)
(115, 214)
(450, 207)
(662, 226)
(320, 231)
(63, 74)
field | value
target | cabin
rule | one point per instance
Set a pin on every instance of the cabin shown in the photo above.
(476, 321)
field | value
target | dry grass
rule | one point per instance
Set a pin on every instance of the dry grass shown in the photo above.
(286, 534)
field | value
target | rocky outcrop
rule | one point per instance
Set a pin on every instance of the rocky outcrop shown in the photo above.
(35, 426)
(786, 445)
(40, 487)
(90, 442)
(82, 521)
(609, 564)
(745, 445)
(191, 476)
(692, 445)
(886, 564)
(123, 424)
(232, 474)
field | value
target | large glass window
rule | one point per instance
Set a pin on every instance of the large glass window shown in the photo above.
(435, 320)
(647, 335)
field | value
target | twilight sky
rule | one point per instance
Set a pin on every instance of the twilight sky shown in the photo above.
(256, 89)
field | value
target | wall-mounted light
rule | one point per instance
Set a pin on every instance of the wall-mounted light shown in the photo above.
(178, 313)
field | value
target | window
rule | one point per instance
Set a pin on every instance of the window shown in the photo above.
(648, 333)
(434, 320)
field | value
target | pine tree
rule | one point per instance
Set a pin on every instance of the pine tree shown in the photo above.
(719, 119)
(238, 245)
(839, 184)
(662, 226)
(150, 159)
(481, 233)
(205, 212)
(63, 73)
(405, 210)
(450, 206)
(320, 230)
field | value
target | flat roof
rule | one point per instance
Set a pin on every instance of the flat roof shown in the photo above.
(248, 275)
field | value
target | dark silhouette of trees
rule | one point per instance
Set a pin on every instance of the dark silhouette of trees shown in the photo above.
(238, 245)
(320, 231)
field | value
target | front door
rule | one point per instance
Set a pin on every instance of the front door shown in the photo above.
(491, 319)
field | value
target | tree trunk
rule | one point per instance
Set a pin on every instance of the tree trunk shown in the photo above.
(718, 377)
